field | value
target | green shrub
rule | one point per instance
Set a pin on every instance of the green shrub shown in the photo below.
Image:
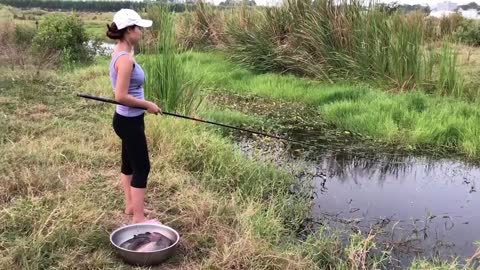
(468, 33)
(63, 35)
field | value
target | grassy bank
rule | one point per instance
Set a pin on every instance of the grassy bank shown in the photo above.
(414, 120)
(60, 204)
(60, 193)
(60, 158)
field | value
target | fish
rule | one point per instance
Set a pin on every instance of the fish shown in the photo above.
(147, 242)
(164, 242)
(158, 242)
(136, 241)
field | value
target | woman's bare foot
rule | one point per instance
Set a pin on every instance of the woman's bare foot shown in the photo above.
(128, 210)
(138, 220)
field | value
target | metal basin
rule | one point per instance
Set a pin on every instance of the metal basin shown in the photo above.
(125, 233)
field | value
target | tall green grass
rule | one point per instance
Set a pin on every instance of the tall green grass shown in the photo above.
(166, 82)
(411, 120)
(250, 39)
(449, 81)
(333, 42)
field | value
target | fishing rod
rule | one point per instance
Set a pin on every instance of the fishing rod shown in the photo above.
(197, 119)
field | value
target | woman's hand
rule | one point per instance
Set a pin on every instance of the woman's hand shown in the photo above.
(153, 108)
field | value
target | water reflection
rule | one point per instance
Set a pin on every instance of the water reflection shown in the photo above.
(417, 206)
(429, 200)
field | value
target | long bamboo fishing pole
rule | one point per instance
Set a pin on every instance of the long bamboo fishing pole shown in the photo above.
(196, 119)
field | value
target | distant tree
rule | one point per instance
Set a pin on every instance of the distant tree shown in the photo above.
(89, 5)
(229, 3)
(413, 8)
(427, 10)
(471, 5)
(389, 8)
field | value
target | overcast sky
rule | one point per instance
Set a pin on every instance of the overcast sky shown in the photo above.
(410, 2)
(433, 2)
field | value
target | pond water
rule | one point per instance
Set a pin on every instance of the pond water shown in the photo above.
(415, 205)
(419, 206)
(101, 49)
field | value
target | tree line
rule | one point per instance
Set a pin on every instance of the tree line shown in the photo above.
(99, 6)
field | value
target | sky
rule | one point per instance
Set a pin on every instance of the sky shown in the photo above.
(432, 3)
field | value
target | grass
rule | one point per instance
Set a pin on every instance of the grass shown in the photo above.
(410, 120)
(332, 43)
(166, 82)
(232, 212)
(337, 42)
(96, 31)
(232, 117)
(468, 59)
(202, 28)
(5, 12)
(450, 81)
(58, 207)
(220, 74)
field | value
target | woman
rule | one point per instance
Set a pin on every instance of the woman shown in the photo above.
(127, 79)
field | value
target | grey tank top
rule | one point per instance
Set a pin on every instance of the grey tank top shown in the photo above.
(135, 87)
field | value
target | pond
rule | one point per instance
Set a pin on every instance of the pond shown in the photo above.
(416, 206)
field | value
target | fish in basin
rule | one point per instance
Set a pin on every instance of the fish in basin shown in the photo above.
(147, 242)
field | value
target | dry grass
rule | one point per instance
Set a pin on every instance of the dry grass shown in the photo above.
(10, 54)
(203, 28)
(468, 61)
(59, 161)
(60, 203)
(15, 48)
(359, 253)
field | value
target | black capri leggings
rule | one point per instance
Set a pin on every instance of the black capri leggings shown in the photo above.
(134, 148)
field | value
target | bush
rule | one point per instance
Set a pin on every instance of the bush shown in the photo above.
(64, 35)
(468, 33)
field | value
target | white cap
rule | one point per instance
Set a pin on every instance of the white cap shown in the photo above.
(128, 17)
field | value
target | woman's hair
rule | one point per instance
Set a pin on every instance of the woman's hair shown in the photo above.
(114, 33)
